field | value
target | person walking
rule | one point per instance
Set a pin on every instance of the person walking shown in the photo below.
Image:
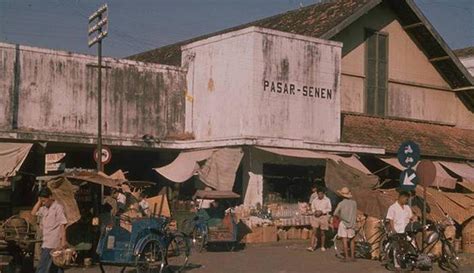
(53, 226)
(346, 211)
(321, 207)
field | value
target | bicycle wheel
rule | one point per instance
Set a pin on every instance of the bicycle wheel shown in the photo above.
(198, 239)
(449, 260)
(177, 253)
(151, 259)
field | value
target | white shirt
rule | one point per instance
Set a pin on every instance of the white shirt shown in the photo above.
(51, 220)
(204, 203)
(323, 205)
(400, 216)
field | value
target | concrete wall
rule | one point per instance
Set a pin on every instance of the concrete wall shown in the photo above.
(416, 89)
(262, 83)
(56, 92)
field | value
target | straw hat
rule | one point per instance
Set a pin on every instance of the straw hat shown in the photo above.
(345, 192)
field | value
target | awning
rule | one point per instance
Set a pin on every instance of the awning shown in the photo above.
(12, 156)
(301, 153)
(339, 174)
(185, 165)
(218, 172)
(216, 167)
(392, 161)
(462, 169)
(443, 179)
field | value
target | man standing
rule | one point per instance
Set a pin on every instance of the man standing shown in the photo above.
(53, 226)
(314, 194)
(321, 207)
(399, 213)
(346, 210)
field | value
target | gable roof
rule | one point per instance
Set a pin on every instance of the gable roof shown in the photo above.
(315, 21)
(325, 20)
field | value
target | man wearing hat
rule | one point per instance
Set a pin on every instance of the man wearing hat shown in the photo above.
(53, 226)
(346, 210)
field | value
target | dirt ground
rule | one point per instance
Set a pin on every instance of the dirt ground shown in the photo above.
(290, 257)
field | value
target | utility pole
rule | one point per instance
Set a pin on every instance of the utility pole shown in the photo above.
(97, 22)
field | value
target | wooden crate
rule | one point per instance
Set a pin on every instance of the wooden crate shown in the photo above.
(468, 236)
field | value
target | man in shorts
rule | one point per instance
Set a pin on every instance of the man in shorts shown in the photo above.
(346, 211)
(321, 207)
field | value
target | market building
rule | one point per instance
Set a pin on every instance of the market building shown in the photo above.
(322, 94)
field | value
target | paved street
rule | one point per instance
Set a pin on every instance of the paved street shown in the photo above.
(275, 258)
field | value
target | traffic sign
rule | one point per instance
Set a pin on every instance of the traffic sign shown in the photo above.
(408, 154)
(426, 172)
(408, 180)
(106, 155)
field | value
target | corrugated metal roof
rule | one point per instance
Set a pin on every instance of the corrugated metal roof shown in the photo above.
(434, 139)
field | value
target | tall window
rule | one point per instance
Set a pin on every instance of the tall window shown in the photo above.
(376, 72)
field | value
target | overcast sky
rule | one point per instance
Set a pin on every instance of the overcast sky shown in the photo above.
(140, 25)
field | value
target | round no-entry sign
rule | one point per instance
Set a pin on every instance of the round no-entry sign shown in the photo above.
(426, 172)
(106, 155)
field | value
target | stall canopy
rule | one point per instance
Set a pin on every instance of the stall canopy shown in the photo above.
(339, 174)
(216, 167)
(12, 155)
(300, 153)
(462, 169)
(443, 179)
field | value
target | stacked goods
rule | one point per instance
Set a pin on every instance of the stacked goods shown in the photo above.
(373, 231)
(305, 234)
(282, 235)
(468, 236)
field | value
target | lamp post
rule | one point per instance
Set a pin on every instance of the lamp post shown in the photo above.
(97, 22)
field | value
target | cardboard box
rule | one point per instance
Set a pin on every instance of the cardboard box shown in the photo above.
(256, 236)
(270, 234)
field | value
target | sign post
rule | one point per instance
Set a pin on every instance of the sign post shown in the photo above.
(408, 155)
(426, 171)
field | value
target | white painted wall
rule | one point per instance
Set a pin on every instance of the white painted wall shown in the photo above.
(468, 62)
(236, 86)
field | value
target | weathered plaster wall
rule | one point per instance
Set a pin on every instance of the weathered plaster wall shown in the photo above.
(262, 83)
(57, 93)
(415, 90)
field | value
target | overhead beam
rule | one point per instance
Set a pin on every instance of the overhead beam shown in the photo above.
(419, 24)
(437, 59)
(465, 88)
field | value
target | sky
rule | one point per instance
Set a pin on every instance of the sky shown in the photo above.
(140, 25)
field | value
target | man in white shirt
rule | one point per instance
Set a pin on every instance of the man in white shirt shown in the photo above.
(53, 226)
(321, 207)
(399, 214)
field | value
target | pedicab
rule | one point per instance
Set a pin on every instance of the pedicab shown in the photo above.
(213, 226)
(144, 243)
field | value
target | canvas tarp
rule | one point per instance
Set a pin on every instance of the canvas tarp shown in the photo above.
(339, 174)
(462, 169)
(442, 179)
(64, 192)
(12, 155)
(448, 206)
(93, 177)
(218, 172)
(302, 153)
(185, 165)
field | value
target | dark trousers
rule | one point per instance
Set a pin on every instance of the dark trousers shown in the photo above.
(46, 263)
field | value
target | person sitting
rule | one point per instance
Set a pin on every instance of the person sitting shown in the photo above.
(143, 206)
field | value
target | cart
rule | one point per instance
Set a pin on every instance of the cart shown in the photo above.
(209, 229)
(149, 246)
